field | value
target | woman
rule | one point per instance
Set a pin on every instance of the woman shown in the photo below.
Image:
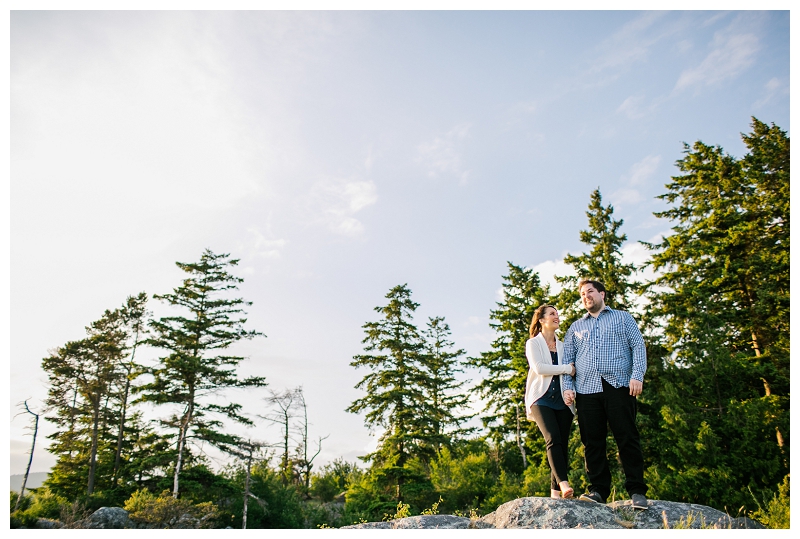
(544, 401)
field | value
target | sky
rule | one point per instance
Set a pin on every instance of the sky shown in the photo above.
(339, 154)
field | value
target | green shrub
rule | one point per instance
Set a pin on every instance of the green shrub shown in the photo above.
(166, 512)
(776, 513)
(463, 481)
(43, 503)
(333, 479)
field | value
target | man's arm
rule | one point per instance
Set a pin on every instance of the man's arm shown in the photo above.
(639, 354)
(569, 358)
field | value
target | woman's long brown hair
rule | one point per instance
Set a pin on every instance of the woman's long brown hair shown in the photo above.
(536, 321)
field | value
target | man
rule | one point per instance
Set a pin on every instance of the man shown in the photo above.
(609, 355)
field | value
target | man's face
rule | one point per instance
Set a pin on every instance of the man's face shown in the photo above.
(592, 300)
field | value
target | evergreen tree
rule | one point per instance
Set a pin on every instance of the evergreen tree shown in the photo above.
(196, 367)
(394, 387)
(603, 263)
(722, 301)
(82, 376)
(134, 315)
(444, 396)
(503, 388)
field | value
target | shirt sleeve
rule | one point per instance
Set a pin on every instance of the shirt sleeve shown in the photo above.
(638, 350)
(569, 358)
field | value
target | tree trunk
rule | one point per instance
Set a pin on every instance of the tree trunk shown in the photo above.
(30, 459)
(246, 489)
(93, 452)
(519, 441)
(181, 445)
(118, 454)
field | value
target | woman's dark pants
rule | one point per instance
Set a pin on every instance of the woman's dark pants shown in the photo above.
(555, 426)
(615, 408)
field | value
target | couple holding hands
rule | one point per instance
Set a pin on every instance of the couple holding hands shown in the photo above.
(598, 369)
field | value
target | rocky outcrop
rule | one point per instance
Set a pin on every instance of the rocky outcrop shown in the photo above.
(527, 513)
(106, 518)
(426, 522)
(549, 513)
(48, 524)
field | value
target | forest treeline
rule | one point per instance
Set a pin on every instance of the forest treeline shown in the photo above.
(713, 417)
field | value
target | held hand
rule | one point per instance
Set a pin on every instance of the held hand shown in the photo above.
(636, 387)
(569, 397)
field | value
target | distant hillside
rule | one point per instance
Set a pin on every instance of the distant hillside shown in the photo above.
(35, 480)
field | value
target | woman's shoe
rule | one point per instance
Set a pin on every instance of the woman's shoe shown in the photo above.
(555, 493)
(566, 490)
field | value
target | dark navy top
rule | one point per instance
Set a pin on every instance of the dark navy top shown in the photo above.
(553, 399)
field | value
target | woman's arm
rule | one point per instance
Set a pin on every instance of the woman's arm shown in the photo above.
(540, 365)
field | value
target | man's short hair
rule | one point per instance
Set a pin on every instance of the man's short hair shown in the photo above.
(596, 284)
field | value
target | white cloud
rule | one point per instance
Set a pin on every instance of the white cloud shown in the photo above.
(334, 202)
(442, 155)
(631, 107)
(732, 52)
(684, 46)
(549, 269)
(628, 45)
(262, 247)
(622, 197)
(773, 88)
(166, 97)
(640, 172)
(473, 321)
(637, 175)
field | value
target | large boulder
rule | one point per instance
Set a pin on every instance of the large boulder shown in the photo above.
(47, 524)
(426, 522)
(106, 518)
(662, 514)
(550, 513)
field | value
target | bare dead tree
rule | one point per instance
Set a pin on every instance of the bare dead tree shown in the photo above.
(305, 464)
(30, 458)
(283, 405)
(248, 452)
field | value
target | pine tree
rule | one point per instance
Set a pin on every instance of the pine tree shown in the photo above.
(503, 387)
(134, 315)
(196, 367)
(445, 398)
(603, 263)
(82, 376)
(394, 387)
(722, 302)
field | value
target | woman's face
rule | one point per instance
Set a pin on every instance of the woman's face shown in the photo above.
(550, 319)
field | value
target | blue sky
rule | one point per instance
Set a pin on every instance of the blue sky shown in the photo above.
(338, 154)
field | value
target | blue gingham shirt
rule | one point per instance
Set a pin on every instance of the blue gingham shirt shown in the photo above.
(608, 346)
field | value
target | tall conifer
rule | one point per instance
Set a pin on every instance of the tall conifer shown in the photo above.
(722, 301)
(445, 399)
(394, 398)
(603, 262)
(196, 366)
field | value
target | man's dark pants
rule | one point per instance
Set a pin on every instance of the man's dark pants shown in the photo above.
(614, 407)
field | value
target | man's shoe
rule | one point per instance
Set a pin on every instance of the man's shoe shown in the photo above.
(639, 501)
(592, 497)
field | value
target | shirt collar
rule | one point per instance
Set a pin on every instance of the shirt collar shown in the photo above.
(587, 315)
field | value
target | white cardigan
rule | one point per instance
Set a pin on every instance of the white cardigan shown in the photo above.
(542, 370)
